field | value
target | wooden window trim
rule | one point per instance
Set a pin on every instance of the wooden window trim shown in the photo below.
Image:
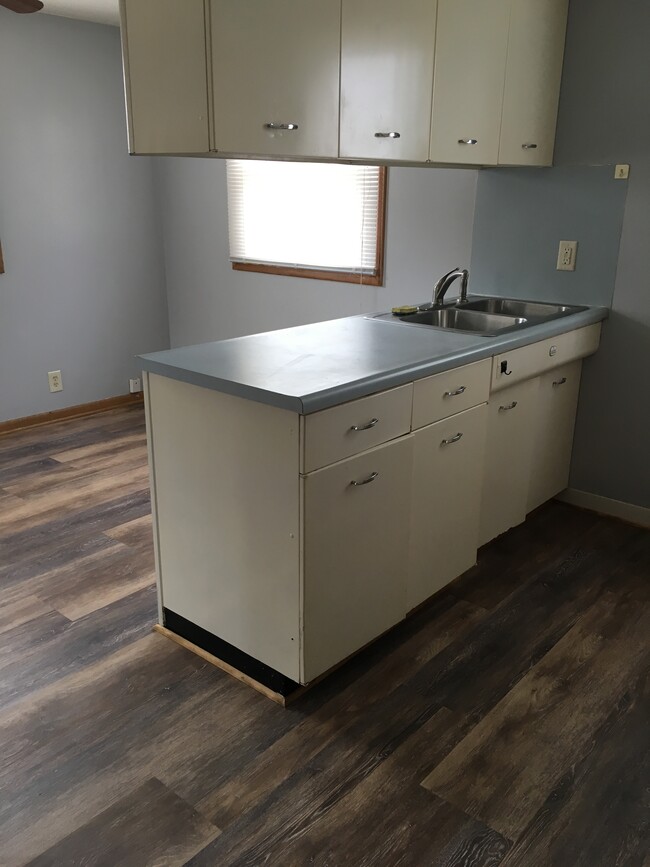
(376, 279)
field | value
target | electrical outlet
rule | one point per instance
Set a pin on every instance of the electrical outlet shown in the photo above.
(135, 385)
(566, 257)
(55, 379)
(622, 172)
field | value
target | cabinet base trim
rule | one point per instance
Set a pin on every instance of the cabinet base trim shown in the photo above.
(229, 658)
(629, 512)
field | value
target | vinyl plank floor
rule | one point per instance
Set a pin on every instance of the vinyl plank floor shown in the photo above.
(504, 723)
(173, 831)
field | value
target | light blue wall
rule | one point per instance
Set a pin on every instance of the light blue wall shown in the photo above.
(428, 232)
(521, 216)
(84, 285)
(604, 119)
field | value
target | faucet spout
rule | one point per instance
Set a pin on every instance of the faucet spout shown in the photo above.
(445, 282)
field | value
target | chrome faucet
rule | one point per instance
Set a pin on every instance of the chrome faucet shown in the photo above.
(445, 282)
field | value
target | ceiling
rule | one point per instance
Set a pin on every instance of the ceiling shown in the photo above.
(102, 11)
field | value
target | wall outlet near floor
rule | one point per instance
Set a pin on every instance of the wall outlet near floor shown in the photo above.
(566, 257)
(55, 379)
(135, 385)
(622, 171)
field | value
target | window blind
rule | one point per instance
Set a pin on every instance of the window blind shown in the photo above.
(304, 215)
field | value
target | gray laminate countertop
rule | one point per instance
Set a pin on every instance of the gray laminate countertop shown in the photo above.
(312, 367)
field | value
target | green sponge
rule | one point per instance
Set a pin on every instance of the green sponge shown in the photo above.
(404, 310)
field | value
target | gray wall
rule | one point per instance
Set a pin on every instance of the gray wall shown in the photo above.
(522, 214)
(84, 287)
(605, 118)
(429, 231)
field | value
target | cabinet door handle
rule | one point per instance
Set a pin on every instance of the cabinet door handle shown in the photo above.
(468, 141)
(273, 125)
(460, 390)
(387, 135)
(451, 440)
(529, 146)
(560, 381)
(509, 406)
(371, 478)
(371, 423)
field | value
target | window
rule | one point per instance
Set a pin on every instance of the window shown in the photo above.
(307, 219)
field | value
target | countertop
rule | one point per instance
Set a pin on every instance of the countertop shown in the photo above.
(312, 367)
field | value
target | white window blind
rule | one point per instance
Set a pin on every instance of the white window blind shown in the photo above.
(304, 215)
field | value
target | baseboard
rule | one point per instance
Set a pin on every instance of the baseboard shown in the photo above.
(638, 515)
(68, 412)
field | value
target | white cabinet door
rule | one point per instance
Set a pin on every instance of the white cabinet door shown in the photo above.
(386, 78)
(532, 87)
(512, 414)
(165, 67)
(275, 67)
(447, 483)
(557, 403)
(356, 528)
(471, 47)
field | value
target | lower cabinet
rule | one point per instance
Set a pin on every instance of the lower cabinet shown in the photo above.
(297, 565)
(529, 444)
(355, 552)
(510, 432)
(446, 500)
(557, 403)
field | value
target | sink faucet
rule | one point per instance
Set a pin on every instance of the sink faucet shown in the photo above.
(445, 282)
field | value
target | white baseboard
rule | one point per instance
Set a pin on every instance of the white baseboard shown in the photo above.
(605, 506)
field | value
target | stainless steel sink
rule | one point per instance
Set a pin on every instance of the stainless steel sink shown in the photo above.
(463, 320)
(538, 310)
(484, 315)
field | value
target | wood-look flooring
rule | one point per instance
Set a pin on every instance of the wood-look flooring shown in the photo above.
(504, 724)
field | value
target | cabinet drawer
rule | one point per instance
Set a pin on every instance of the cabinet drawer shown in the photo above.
(445, 394)
(529, 361)
(350, 428)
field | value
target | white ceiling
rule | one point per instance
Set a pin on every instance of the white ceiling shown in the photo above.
(102, 11)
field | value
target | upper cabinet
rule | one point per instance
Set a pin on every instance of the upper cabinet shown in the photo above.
(457, 82)
(165, 71)
(532, 87)
(471, 46)
(275, 73)
(387, 51)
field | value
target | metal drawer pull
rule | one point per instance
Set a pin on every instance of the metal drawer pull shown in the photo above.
(460, 390)
(451, 440)
(371, 478)
(529, 146)
(281, 125)
(560, 381)
(371, 423)
(387, 135)
(509, 406)
(469, 141)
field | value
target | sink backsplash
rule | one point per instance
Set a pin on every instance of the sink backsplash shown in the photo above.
(522, 214)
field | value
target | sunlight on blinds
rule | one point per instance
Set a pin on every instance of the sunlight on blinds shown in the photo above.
(309, 215)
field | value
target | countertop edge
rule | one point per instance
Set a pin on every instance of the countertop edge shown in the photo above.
(326, 398)
(226, 386)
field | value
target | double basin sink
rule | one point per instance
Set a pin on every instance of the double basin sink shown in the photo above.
(484, 315)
